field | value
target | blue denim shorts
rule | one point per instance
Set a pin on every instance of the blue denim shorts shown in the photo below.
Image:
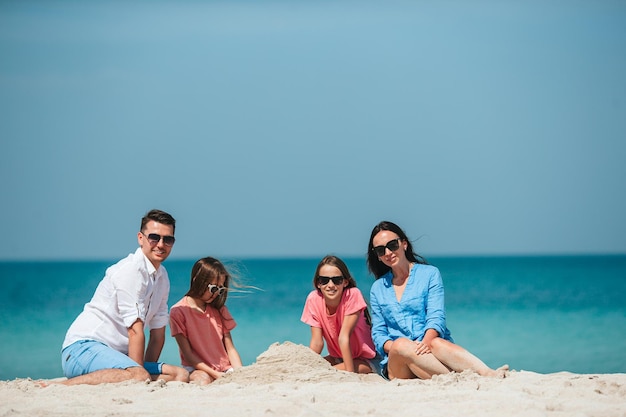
(384, 372)
(374, 363)
(87, 356)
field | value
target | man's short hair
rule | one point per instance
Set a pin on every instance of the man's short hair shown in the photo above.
(158, 216)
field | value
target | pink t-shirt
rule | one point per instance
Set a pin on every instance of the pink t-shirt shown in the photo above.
(352, 301)
(205, 332)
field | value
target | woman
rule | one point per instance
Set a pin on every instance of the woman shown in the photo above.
(408, 315)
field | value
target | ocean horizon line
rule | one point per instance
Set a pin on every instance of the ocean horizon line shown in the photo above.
(256, 258)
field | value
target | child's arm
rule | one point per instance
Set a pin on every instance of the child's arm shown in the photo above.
(191, 358)
(233, 355)
(317, 340)
(347, 327)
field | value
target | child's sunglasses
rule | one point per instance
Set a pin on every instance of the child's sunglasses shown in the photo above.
(392, 245)
(324, 280)
(216, 289)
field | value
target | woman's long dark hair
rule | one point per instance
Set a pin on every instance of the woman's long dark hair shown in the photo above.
(375, 265)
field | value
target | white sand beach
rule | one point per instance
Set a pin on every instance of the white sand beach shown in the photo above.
(291, 380)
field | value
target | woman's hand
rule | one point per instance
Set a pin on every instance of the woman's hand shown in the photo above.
(428, 338)
(421, 348)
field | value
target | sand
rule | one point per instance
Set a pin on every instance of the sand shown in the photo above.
(291, 380)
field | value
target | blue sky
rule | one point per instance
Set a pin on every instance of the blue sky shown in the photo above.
(292, 128)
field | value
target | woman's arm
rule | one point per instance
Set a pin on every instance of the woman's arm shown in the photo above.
(380, 332)
(428, 338)
(347, 327)
(435, 308)
(233, 355)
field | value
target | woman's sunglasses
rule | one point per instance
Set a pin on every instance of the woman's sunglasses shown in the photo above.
(324, 280)
(154, 238)
(392, 245)
(216, 289)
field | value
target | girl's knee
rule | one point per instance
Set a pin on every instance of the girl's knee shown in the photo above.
(200, 377)
(181, 374)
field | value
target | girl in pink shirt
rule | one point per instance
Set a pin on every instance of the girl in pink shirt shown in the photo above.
(201, 324)
(337, 314)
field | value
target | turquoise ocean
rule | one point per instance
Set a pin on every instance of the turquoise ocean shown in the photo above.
(543, 314)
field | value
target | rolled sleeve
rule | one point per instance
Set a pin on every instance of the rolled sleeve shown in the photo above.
(353, 301)
(178, 323)
(435, 308)
(380, 333)
(129, 293)
(159, 317)
(310, 312)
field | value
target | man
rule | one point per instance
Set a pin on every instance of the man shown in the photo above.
(106, 342)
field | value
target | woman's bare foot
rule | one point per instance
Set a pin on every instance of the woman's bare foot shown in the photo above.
(495, 373)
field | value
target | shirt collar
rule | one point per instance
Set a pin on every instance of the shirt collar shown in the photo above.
(152, 271)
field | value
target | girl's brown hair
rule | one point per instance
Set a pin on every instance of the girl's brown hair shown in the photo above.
(337, 263)
(345, 272)
(208, 271)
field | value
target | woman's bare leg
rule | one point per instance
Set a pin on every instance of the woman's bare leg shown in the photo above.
(459, 359)
(404, 363)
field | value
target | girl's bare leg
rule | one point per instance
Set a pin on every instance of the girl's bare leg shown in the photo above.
(172, 373)
(362, 367)
(200, 377)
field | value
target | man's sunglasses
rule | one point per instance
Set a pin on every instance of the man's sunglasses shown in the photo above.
(392, 245)
(324, 280)
(154, 238)
(219, 289)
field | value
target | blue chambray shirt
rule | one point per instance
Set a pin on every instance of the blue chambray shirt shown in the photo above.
(421, 308)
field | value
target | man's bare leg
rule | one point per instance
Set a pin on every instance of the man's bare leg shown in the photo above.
(102, 376)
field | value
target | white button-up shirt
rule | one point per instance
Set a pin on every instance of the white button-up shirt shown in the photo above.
(131, 289)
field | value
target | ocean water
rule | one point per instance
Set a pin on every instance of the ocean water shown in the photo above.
(541, 314)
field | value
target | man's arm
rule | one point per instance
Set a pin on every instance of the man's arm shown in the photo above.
(155, 344)
(136, 342)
